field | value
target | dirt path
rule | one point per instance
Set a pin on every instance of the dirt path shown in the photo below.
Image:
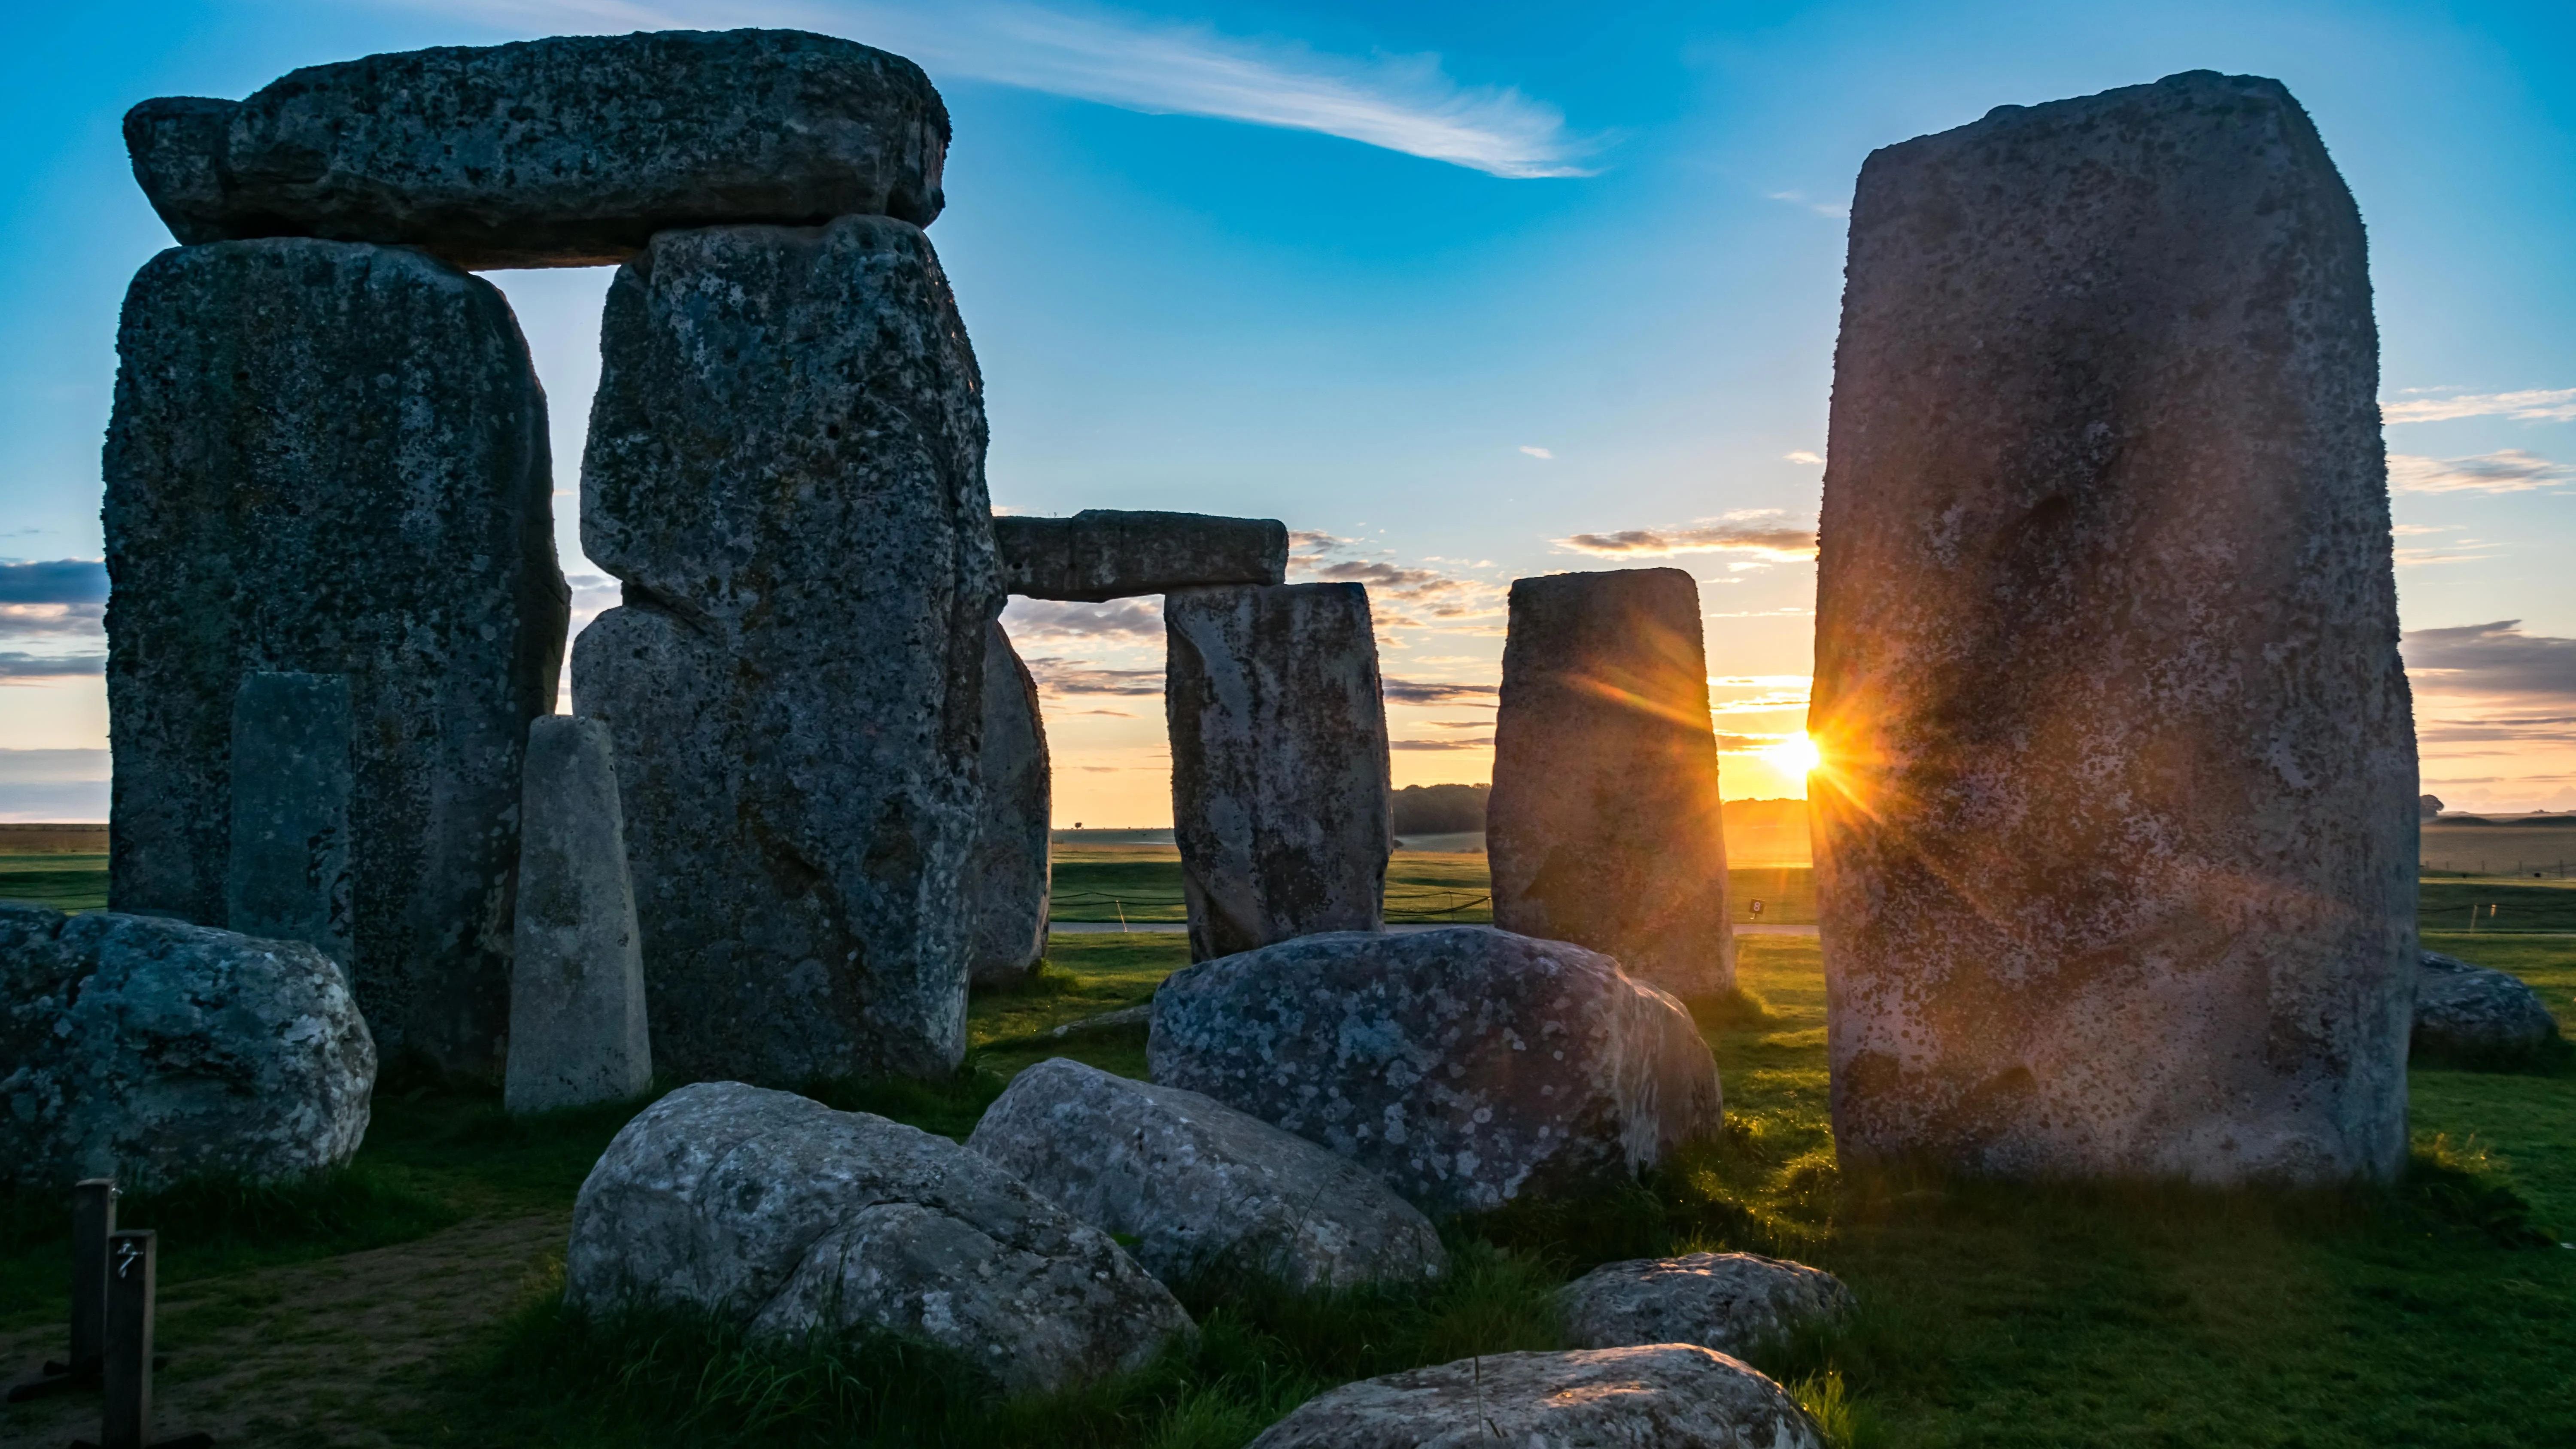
(335, 1352)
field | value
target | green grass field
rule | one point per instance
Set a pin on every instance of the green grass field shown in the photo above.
(2438, 1313)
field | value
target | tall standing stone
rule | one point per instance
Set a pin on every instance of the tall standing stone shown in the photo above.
(577, 1021)
(1007, 877)
(786, 469)
(288, 876)
(1279, 762)
(1605, 826)
(330, 458)
(2117, 827)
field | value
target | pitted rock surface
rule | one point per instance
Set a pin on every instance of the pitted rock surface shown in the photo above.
(565, 152)
(786, 1216)
(1280, 797)
(1198, 1186)
(331, 459)
(288, 878)
(578, 1030)
(2117, 847)
(2471, 1011)
(1730, 1302)
(1668, 1396)
(1605, 826)
(786, 470)
(150, 1050)
(1109, 553)
(1466, 1067)
(1007, 877)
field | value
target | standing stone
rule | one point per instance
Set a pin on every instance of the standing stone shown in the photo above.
(786, 469)
(1101, 554)
(288, 877)
(2117, 824)
(1605, 827)
(1279, 762)
(1007, 877)
(577, 1032)
(565, 152)
(331, 458)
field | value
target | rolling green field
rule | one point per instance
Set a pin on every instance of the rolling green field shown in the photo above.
(2441, 1312)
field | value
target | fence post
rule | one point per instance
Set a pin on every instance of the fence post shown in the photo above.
(126, 1374)
(93, 1219)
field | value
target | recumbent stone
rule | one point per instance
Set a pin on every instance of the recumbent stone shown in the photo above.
(1195, 1186)
(1465, 1066)
(790, 1218)
(786, 471)
(1605, 827)
(2471, 1011)
(330, 459)
(1731, 1302)
(150, 1050)
(1669, 1395)
(566, 152)
(2117, 830)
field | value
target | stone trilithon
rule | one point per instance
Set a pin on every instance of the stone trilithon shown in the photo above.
(2117, 822)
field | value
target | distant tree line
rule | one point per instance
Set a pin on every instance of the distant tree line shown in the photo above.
(1440, 809)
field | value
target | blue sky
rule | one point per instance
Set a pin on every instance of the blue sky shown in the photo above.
(1458, 291)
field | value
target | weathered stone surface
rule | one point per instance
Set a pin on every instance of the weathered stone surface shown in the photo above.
(2117, 833)
(331, 459)
(786, 469)
(1730, 1302)
(1465, 1066)
(1279, 762)
(1668, 1396)
(1110, 553)
(1605, 827)
(2470, 1011)
(1007, 877)
(288, 878)
(150, 1050)
(566, 152)
(577, 1021)
(787, 1216)
(1194, 1186)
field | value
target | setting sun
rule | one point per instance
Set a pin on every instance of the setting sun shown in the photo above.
(1795, 756)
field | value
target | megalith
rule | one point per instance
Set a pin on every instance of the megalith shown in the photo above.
(1605, 827)
(577, 1022)
(1280, 801)
(565, 152)
(1007, 876)
(288, 875)
(330, 458)
(1114, 553)
(2116, 825)
(786, 471)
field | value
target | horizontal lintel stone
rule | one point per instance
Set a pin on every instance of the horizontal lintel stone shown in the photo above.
(1109, 553)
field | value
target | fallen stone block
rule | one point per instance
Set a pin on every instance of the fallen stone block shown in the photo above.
(786, 471)
(1196, 1187)
(151, 1050)
(566, 152)
(1669, 1395)
(1731, 1302)
(791, 1218)
(2116, 833)
(1466, 1066)
(1101, 554)
(330, 459)
(288, 876)
(2472, 1012)
(1280, 800)
(1007, 876)
(577, 1018)
(1605, 827)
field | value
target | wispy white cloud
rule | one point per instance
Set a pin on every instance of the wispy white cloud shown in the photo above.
(2510, 471)
(1764, 534)
(2544, 405)
(1405, 103)
(1802, 199)
(1537, 452)
(1139, 620)
(1804, 456)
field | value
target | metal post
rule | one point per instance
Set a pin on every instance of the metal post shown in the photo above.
(126, 1422)
(93, 1218)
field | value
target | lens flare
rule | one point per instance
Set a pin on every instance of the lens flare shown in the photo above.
(1795, 756)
